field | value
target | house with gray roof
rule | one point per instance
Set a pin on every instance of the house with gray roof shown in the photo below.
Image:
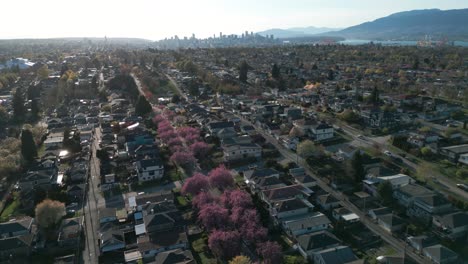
(440, 254)
(335, 255)
(314, 242)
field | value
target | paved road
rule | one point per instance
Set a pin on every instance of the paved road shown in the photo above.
(91, 250)
(177, 87)
(395, 242)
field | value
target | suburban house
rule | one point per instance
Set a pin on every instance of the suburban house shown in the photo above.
(149, 169)
(406, 194)
(14, 247)
(335, 255)
(321, 132)
(272, 196)
(107, 215)
(304, 224)
(421, 242)
(327, 201)
(152, 245)
(453, 226)
(390, 222)
(241, 151)
(112, 240)
(453, 153)
(314, 242)
(424, 207)
(16, 228)
(440, 254)
(291, 207)
(371, 183)
(37, 179)
(69, 232)
(344, 215)
(176, 256)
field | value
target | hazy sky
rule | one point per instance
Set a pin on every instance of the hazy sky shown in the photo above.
(157, 19)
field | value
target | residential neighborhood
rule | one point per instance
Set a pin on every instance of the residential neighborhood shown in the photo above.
(278, 153)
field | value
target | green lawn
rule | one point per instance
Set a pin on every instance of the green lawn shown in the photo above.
(9, 210)
(181, 200)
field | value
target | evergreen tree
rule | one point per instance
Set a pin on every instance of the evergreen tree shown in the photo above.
(358, 167)
(275, 71)
(243, 70)
(35, 109)
(28, 146)
(375, 96)
(18, 105)
(142, 107)
(385, 192)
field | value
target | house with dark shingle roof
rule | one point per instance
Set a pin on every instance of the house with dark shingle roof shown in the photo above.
(176, 256)
(69, 232)
(17, 247)
(425, 206)
(390, 222)
(440, 254)
(335, 255)
(421, 242)
(17, 227)
(406, 194)
(453, 226)
(112, 240)
(327, 201)
(152, 245)
(291, 207)
(313, 242)
(149, 169)
(272, 196)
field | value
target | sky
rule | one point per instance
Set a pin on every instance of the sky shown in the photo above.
(158, 19)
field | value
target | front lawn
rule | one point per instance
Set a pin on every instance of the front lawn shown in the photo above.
(10, 210)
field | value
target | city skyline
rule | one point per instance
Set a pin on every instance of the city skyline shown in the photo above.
(155, 20)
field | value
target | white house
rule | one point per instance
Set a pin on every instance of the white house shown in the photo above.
(149, 169)
(322, 131)
(241, 151)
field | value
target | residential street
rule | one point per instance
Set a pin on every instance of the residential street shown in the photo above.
(395, 242)
(91, 250)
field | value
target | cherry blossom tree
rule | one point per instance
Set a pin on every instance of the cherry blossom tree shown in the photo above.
(195, 184)
(158, 119)
(202, 199)
(213, 216)
(224, 244)
(200, 149)
(174, 141)
(253, 232)
(236, 198)
(186, 160)
(186, 131)
(271, 252)
(167, 135)
(221, 178)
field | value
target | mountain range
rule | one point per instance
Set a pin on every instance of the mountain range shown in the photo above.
(408, 25)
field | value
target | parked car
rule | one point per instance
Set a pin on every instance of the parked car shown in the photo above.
(462, 186)
(388, 153)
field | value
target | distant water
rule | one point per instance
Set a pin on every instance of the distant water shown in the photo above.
(393, 43)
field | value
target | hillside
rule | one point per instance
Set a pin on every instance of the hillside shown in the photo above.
(411, 25)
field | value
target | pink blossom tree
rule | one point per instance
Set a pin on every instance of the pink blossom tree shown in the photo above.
(158, 119)
(213, 216)
(253, 232)
(202, 199)
(185, 131)
(186, 160)
(271, 252)
(221, 178)
(195, 184)
(167, 135)
(224, 244)
(200, 149)
(174, 141)
(236, 198)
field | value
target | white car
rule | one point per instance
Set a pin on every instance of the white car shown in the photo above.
(388, 153)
